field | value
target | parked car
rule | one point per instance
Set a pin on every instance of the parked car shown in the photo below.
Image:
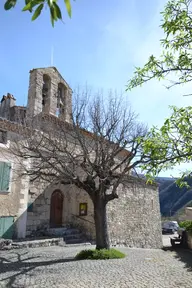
(170, 227)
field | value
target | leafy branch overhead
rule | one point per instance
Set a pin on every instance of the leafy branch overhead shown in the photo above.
(36, 7)
(176, 56)
(170, 145)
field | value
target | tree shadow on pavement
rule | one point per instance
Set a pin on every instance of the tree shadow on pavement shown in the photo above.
(22, 266)
(183, 255)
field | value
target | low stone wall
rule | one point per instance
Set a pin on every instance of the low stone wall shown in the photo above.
(9, 244)
(189, 240)
(134, 219)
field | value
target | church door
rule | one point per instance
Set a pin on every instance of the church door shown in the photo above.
(56, 211)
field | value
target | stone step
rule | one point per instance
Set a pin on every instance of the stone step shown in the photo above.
(77, 244)
(77, 241)
(56, 231)
(71, 231)
(73, 236)
(62, 231)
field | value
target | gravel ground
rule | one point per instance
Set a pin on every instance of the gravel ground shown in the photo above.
(54, 266)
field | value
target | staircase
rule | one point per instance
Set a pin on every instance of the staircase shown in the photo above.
(70, 235)
(74, 236)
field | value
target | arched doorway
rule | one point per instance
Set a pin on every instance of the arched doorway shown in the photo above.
(56, 210)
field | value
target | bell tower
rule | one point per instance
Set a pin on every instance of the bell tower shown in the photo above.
(49, 93)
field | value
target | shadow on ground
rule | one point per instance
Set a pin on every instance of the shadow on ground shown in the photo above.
(183, 255)
(22, 266)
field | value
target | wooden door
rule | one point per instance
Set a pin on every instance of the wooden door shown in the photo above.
(56, 211)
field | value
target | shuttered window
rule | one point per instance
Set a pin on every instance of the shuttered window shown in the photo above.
(5, 169)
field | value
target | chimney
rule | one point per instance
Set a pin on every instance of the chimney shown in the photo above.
(6, 103)
(11, 100)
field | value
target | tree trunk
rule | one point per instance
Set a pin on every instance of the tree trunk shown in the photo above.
(100, 217)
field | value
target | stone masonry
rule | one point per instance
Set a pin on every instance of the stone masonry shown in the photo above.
(13, 202)
(54, 79)
(133, 219)
(39, 218)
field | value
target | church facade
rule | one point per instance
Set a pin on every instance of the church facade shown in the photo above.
(28, 209)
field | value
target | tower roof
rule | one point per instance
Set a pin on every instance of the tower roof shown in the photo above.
(55, 70)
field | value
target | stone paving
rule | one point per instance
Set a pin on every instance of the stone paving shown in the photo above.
(54, 267)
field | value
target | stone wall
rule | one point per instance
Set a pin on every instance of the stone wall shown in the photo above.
(84, 223)
(39, 217)
(14, 201)
(134, 219)
(9, 200)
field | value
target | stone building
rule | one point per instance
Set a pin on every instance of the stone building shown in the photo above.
(27, 209)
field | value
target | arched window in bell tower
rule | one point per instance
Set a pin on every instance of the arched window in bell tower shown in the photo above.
(60, 100)
(46, 92)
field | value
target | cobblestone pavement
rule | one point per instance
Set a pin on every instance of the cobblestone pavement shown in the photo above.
(54, 267)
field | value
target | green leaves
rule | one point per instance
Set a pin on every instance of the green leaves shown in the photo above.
(176, 56)
(37, 12)
(9, 4)
(57, 10)
(170, 145)
(28, 6)
(38, 5)
(68, 7)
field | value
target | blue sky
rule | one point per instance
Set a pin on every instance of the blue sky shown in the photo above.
(100, 46)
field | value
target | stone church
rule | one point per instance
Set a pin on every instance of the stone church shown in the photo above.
(28, 210)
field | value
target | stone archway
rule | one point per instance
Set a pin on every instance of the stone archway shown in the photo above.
(56, 209)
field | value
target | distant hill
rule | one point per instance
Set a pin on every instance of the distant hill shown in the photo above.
(172, 198)
(164, 182)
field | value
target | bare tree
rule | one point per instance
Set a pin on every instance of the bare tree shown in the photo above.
(95, 152)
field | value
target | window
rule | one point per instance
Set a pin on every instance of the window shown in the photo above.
(5, 170)
(3, 137)
(83, 209)
(60, 92)
(45, 90)
(60, 99)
